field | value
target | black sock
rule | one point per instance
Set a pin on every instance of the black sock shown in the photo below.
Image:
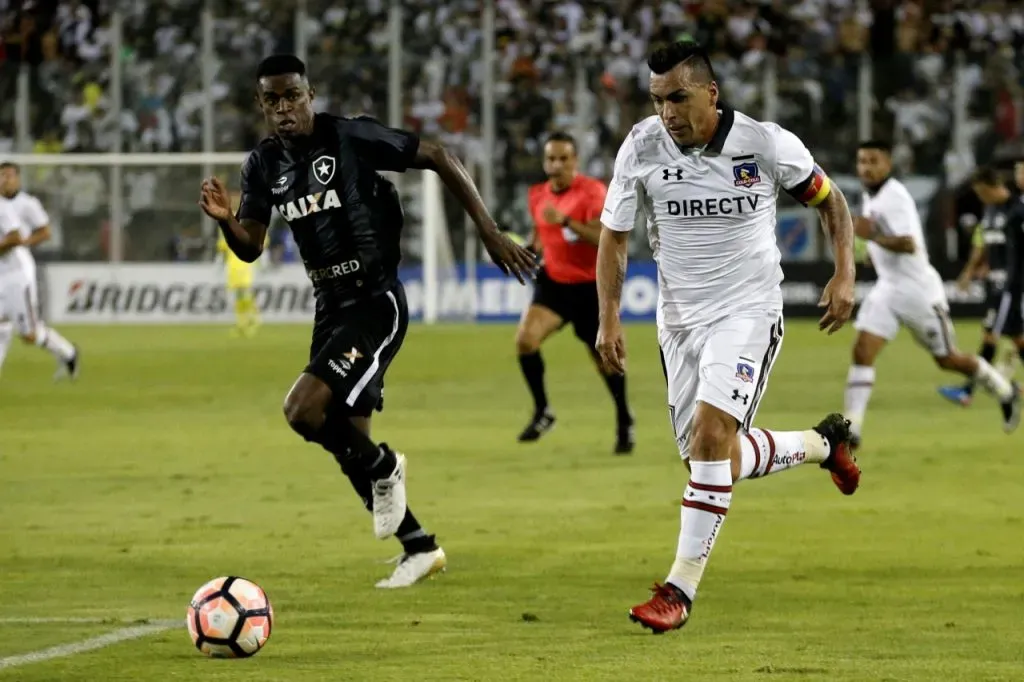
(352, 447)
(617, 387)
(1020, 352)
(533, 371)
(410, 533)
(987, 353)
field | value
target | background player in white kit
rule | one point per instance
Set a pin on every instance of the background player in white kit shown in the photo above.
(23, 224)
(704, 179)
(909, 293)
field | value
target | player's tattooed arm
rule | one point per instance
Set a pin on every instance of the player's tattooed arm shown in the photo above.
(838, 295)
(612, 257)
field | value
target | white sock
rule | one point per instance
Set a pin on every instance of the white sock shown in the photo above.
(705, 504)
(992, 381)
(859, 382)
(59, 347)
(764, 452)
(6, 334)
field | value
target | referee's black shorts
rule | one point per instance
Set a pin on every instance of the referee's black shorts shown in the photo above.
(352, 348)
(1003, 315)
(576, 304)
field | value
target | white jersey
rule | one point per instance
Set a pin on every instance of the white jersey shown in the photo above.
(28, 214)
(710, 213)
(894, 213)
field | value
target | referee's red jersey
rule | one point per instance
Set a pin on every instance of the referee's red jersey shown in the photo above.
(568, 258)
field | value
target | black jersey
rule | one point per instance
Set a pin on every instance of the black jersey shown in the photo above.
(345, 217)
(1000, 231)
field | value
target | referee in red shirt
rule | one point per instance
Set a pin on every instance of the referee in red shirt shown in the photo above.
(566, 211)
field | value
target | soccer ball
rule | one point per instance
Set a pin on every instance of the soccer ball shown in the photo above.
(230, 617)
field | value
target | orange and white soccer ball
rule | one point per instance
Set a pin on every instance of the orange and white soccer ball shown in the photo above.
(230, 617)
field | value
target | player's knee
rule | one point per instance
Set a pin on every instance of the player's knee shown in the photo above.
(526, 342)
(304, 416)
(712, 435)
(29, 338)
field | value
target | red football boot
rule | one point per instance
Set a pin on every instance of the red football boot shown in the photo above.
(668, 609)
(841, 462)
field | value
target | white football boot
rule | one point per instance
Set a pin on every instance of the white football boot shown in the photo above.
(412, 568)
(389, 500)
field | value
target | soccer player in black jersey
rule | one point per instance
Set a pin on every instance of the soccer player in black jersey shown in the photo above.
(999, 241)
(319, 171)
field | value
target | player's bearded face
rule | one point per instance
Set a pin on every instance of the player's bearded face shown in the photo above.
(872, 166)
(559, 162)
(686, 105)
(287, 104)
(9, 184)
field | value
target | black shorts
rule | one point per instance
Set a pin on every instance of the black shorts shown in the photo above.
(353, 347)
(1003, 316)
(576, 304)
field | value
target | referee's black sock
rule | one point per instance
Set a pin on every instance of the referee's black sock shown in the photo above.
(532, 365)
(987, 353)
(617, 387)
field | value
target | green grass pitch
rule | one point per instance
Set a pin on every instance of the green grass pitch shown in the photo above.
(168, 463)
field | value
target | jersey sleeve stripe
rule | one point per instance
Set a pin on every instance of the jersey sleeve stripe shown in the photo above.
(814, 189)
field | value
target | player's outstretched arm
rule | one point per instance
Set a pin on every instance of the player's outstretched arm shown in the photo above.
(866, 228)
(244, 237)
(505, 253)
(838, 297)
(612, 257)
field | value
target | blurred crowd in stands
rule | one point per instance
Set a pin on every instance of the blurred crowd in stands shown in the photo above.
(560, 64)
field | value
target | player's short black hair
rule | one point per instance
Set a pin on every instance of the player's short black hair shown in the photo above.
(10, 164)
(665, 58)
(561, 136)
(880, 145)
(988, 176)
(279, 65)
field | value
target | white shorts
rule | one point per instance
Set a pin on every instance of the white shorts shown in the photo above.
(725, 364)
(19, 303)
(883, 312)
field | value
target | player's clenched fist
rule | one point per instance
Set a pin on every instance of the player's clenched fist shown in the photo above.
(214, 199)
(838, 299)
(611, 347)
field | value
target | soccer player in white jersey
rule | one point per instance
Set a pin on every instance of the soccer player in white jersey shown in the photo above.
(704, 178)
(909, 293)
(23, 224)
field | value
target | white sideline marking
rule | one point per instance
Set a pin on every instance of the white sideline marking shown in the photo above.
(91, 644)
(75, 621)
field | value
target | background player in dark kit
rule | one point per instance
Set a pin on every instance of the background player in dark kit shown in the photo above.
(999, 243)
(319, 171)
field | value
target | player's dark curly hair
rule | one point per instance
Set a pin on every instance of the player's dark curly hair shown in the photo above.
(279, 65)
(666, 57)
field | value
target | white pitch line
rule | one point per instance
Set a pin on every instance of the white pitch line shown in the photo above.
(28, 620)
(91, 644)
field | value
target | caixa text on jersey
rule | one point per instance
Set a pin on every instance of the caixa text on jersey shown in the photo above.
(343, 269)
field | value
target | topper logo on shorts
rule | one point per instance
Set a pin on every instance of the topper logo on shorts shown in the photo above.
(352, 355)
(341, 367)
(744, 372)
(746, 174)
